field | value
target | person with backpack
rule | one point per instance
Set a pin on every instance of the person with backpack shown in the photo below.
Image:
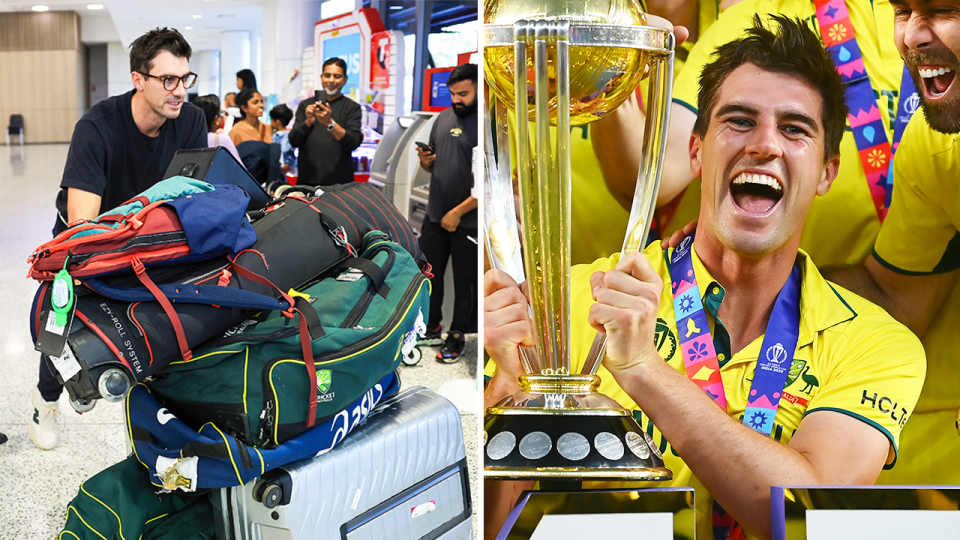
(119, 148)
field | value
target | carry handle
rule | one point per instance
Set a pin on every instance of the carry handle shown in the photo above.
(370, 269)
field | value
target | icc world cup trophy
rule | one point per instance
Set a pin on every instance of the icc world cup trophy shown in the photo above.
(551, 65)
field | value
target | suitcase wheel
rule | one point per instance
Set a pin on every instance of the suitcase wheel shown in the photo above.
(272, 495)
(413, 357)
(83, 405)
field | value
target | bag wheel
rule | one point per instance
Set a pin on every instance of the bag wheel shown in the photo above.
(413, 357)
(83, 405)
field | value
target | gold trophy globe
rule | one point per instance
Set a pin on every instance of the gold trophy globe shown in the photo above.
(563, 63)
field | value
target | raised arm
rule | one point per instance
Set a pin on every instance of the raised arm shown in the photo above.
(505, 327)
(617, 140)
(737, 465)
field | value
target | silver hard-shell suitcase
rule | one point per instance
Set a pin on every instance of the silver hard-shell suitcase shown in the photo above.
(401, 475)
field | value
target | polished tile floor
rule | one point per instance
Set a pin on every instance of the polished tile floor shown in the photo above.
(37, 485)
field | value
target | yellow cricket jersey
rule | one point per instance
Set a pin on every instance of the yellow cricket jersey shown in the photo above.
(599, 223)
(849, 198)
(918, 237)
(842, 225)
(851, 358)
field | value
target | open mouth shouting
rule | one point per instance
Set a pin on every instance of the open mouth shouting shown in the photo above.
(756, 194)
(936, 80)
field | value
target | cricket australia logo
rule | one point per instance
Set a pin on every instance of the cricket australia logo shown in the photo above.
(665, 340)
(324, 380)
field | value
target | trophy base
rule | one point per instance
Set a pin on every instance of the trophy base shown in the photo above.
(571, 433)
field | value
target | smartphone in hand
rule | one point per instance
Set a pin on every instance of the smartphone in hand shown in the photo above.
(426, 147)
(321, 96)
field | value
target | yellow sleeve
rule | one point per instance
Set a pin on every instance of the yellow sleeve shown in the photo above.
(874, 372)
(919, 235)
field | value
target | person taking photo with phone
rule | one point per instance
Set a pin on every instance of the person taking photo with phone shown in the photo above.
(450, 230)
(327, 130)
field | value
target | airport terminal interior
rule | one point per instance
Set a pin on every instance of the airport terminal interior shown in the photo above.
(46, 480)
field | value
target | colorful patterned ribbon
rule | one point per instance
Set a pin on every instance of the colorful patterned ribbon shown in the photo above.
(908, 104)
(696, 343)
(874, 149)
(700, 357)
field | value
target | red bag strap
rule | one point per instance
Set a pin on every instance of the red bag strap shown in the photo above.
(301, 306)
(166, 305)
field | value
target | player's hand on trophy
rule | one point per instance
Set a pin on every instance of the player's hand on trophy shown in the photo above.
(679, 32)
(628, 298)
(506, 324)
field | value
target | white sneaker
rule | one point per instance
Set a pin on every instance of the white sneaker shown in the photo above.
(43, 424)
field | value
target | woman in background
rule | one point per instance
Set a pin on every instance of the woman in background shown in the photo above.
(246, 80)
(249, 127)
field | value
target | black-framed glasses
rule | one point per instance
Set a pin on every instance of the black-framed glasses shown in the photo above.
(170, 82)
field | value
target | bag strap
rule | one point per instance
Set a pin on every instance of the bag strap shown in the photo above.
(141, 273)
(308, 319)
(372, 271)
(214, 295)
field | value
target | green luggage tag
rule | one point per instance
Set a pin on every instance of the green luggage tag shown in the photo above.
(62, 296)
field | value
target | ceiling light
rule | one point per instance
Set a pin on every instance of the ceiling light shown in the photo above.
(396, 7)
(94, 7)
(188, 28)
(197, 16)
(41, 8)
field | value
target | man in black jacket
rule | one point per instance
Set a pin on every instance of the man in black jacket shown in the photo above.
(327, 133)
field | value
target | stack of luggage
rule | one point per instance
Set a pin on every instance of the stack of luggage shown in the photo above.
(250, 346)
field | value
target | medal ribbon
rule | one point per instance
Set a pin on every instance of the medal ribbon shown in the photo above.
(876, 154)
(696, 343)
(700, 357)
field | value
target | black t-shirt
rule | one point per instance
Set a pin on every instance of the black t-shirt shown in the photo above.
(109, 155)
(323, 159)
(453, 138)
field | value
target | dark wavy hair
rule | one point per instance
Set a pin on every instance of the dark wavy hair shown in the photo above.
(210, 105)
(242, 98)
(794, 49)
(146, 47)
(282, 113)
(248, 79)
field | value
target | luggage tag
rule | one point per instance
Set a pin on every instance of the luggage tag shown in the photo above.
(55, 322)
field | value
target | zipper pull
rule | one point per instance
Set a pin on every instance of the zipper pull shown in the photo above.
(224, 278)
(339, 236)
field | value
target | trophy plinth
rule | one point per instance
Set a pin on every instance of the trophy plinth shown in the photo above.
(553, 65)
(559, 426)
(576, 435)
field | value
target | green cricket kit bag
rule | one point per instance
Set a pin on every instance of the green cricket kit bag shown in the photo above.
(256, 383)
(121, 502)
